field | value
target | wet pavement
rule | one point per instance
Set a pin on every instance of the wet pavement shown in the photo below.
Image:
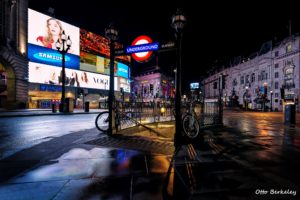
(18, 133)
(253, 157)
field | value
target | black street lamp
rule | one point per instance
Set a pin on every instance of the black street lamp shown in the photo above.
(178, 23)
(271, 108)
(63, 45)
(112, 34)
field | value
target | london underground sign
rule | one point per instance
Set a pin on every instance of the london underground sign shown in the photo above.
(142, 48)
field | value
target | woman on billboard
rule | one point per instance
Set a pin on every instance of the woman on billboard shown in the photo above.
(53, 33)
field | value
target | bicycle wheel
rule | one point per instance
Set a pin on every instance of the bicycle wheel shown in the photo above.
(190, 125)
(102, 121)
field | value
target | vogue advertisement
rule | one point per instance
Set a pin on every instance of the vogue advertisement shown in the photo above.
(45, 31)
(45, 74)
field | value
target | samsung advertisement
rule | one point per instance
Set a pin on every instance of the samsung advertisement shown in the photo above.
(51, 57)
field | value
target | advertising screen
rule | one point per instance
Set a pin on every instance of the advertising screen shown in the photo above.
(44, 31)
(51, 57)
(91, 63)
(194, 85)
(96, 44)
(45, 74)
(122, 70)
(97, 64)
(124, 83)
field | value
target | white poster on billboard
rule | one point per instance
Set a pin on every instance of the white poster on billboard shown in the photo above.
(46, 74)
(124, 83)
(44, 30)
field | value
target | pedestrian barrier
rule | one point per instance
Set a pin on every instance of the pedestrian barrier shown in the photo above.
(130, 114)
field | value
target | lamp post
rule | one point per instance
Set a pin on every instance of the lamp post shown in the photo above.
(63, 45)
(265, 95)
(246, 98)
(112, 34)
(271, 108)
(178, 23)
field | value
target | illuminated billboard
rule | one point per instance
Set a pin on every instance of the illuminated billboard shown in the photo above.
(96, 44)
(44, 31)
(122, 70)
(97, 64)
(194, 86)
(45, 61)
(45, 74)
(123, 83)
(51, 57)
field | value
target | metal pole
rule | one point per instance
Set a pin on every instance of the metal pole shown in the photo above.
(271, 101)
(63, 79)
(111, 87)
(220, 99)
(177, 137)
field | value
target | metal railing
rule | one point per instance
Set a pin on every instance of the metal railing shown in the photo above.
(142, 113)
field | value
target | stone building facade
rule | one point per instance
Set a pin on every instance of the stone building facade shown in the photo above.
(13, 54)
(266, 80)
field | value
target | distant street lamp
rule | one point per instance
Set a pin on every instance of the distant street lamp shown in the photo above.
(175, 78)
(178, 23)
(271, 108)
(112, 34)
(63, 45)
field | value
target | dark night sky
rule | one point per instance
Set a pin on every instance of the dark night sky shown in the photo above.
(216, 31)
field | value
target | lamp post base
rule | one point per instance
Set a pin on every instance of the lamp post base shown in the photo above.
(60, 107)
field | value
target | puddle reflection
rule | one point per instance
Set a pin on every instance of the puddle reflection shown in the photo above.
(82, 163)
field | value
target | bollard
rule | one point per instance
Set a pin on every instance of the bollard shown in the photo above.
(87, 106)
(53, 108)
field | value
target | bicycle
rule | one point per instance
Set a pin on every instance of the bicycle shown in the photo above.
(190, 124)
(102, 119)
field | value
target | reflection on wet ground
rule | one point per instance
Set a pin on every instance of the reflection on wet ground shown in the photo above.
(223, 163)
(97, 173)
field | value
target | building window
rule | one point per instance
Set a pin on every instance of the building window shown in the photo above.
(276, 85)
(276, 95)
(276, 65)
(252, 77)
(234, 82)
(263, 75)
(247, 79)
(276, 74)
(276, 53)
(289, 48)
(289, 77)
(242, 80)
(216, 85)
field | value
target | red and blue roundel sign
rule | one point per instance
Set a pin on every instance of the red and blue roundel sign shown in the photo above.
(141, 42)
